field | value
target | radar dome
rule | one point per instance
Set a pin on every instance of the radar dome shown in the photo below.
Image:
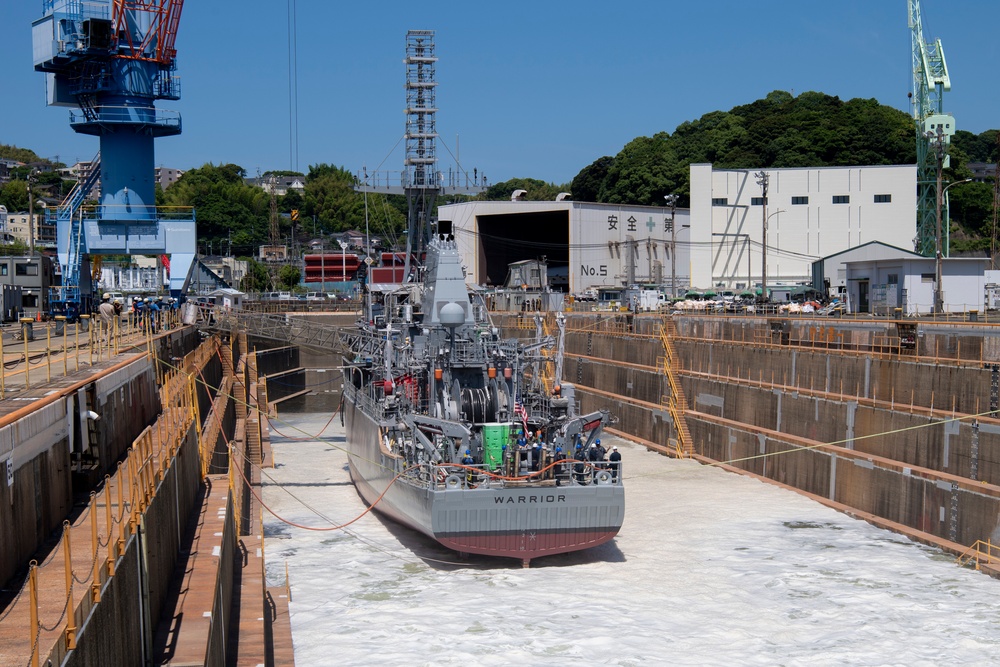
(452, 314)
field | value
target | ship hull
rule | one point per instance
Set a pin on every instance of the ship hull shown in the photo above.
(524, 522)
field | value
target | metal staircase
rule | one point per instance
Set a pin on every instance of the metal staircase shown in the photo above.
(67, 219)
(675, 401)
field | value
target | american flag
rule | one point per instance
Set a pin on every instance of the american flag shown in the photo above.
(520, 412)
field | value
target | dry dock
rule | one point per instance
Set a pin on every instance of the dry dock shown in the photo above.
(138, 463)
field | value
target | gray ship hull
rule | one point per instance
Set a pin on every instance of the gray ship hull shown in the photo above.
(516, 521)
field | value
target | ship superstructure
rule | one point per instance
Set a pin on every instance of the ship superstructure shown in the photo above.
(455, 432)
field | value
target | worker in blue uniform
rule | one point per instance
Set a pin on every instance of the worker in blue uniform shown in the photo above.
(615, 461)
(467, 460)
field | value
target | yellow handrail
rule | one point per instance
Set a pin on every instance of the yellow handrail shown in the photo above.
(980, 552)
(675, 402)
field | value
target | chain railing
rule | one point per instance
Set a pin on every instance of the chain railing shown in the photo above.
(125, 495)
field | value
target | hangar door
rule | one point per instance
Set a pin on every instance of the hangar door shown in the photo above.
(514, 237)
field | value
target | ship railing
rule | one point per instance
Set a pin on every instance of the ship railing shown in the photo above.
(565, 472)
(369, 405)
(465, 351)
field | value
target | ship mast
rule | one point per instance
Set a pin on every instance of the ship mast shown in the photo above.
(421, 181)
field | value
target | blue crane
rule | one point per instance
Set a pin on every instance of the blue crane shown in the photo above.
(110, 60)
(934, 129)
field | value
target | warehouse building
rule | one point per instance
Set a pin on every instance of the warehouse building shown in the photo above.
(585, 245)
(810, 213)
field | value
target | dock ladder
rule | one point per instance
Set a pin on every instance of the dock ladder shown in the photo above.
(675, 401)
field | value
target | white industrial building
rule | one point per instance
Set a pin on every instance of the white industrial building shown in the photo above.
(830, 272)
(811, 213)
(879, 286)
(586, 245)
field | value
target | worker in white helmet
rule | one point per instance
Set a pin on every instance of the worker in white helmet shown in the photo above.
(107, 313)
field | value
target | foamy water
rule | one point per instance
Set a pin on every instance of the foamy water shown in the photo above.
(710, 568)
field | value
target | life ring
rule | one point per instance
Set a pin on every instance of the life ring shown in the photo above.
(453, 482)
(603, 477)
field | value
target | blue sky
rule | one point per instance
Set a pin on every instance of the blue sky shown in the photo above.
(535, 90)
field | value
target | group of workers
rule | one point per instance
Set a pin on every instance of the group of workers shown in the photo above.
(531, 455)
(150, 314)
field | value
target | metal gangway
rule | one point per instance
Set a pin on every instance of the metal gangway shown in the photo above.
(280, 327)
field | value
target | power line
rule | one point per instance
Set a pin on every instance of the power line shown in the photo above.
(293, 88)
(544, 245)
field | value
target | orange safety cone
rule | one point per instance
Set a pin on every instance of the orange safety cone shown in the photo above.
(38, 316)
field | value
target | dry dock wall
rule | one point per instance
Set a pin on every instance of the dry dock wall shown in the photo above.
(55, 441)
(301, 380)
(132, 600)
(876, 415)
(55, 450)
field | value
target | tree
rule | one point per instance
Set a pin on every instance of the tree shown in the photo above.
(25, 155)
(779, 130)
(587, 184)
(331, 197)
(642, 173)
(226, 207)
(536, 190)
(14, 195)
(257, 278)
(15, 247)
(289, 276)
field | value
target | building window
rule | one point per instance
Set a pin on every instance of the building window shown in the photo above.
(799, 200)
(720, 201)
(841, 199)
(29, 301)
(758, 201)
(3, 269)
(25, 269)
(926, 277)
(883, 199)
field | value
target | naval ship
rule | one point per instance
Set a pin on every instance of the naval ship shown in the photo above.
(467, 437)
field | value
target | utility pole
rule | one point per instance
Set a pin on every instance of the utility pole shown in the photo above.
(939, 149)
(672, 203)
(31, 212)
(762, 179)
(343, 259)
(996, 208)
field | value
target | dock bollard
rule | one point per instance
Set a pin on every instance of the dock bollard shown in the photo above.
(28, 328)
(90, 337)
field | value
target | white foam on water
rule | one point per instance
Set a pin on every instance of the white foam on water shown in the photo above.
(710, 568)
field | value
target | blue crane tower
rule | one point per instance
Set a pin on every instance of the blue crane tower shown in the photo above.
(111, 60)
(934, 128)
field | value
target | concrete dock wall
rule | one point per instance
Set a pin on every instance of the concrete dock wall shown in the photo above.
(37, 496)
(888, 418)
(124, 621)
(47, 447)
